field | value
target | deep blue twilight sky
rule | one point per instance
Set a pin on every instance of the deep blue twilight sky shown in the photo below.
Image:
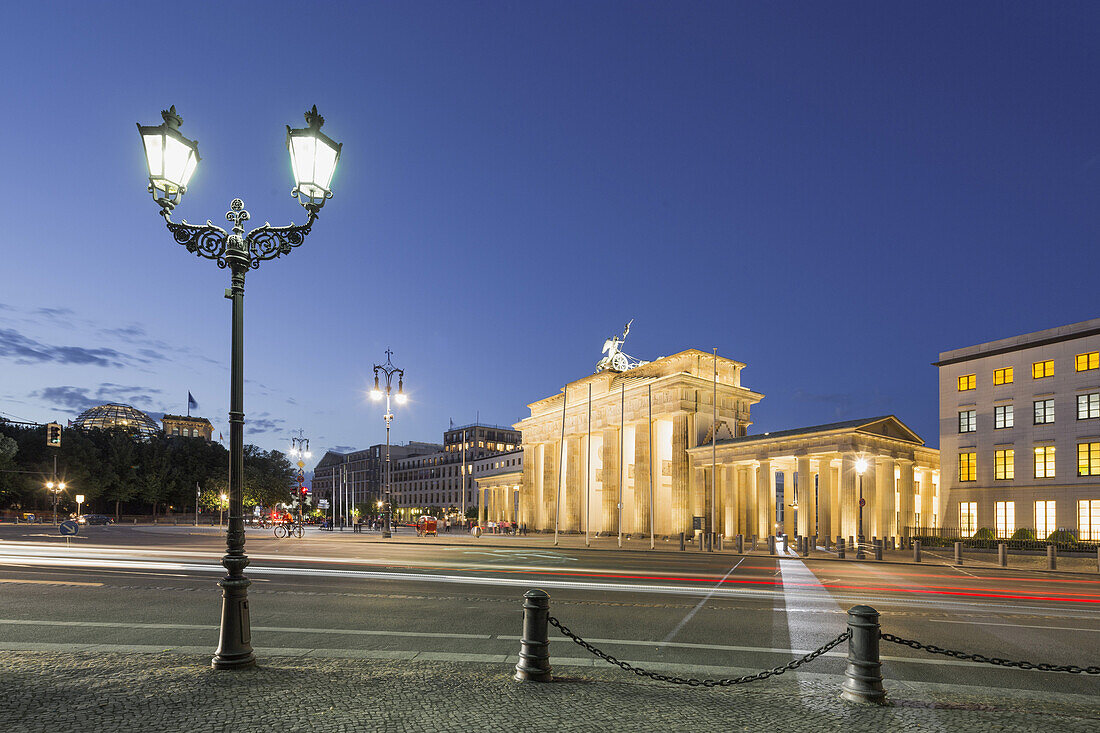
(832, 193)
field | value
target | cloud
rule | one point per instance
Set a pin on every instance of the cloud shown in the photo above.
(264, 423)
(25, 350)
(342, 448)
(78, 399)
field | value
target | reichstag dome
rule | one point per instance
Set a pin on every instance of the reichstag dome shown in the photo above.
(113, 415)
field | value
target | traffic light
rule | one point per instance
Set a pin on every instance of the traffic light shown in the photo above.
(53, 435)
(304, 490)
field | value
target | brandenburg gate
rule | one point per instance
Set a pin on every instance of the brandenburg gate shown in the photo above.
(663, 447)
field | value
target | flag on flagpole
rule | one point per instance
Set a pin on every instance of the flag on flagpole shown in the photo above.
(220, 438)
(191, 403)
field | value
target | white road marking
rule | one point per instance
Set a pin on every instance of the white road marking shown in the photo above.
(1017, 626)
(699, 605)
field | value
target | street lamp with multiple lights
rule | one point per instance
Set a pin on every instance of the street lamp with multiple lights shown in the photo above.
(171, 159)
(388, 369)
(55, 487)
(299, 448)
(861, 466)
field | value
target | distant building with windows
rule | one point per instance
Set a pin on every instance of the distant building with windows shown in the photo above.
(359, 473)
(435, 480)
(1020, 433)
(187, 427)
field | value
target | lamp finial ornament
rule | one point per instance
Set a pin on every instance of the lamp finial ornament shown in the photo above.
(171, 118)
(313, 119)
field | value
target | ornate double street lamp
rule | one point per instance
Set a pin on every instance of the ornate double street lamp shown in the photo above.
(172, 159)
(389, 370)
(299, 448)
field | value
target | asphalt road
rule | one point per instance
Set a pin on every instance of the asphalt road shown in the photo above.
(696, 613)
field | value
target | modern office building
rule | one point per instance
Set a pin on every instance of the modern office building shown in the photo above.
(436, 480)
(1020, 433)
(187, 426)
(358, 475)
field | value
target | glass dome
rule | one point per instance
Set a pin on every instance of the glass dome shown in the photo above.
(113, 415)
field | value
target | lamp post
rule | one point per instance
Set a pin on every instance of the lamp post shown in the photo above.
(55, 487)
(172, 159)
(861, 466)
(388, 369)
(299, 448)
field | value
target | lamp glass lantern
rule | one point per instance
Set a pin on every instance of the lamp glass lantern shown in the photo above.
(171, 158)
(313, 159)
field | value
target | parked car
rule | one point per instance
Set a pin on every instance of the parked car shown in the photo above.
(95, 519)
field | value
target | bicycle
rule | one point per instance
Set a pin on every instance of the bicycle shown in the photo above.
(283, 531)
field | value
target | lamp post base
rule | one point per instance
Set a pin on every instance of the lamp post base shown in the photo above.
(235, 640)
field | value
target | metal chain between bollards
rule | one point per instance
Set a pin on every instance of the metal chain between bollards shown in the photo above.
(793, 664)
(932, 649)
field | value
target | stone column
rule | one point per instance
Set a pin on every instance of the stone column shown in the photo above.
(574, 485)
(905, 495)
(551, 455)
(700, 496)
(482, 505)
(527, 496)
(788, 499)
(681, 508)
(609, 481)
(805, 497)
(730, 503)
(869, 511)
(848, 495)
(765, 499)
(885, 507)
(824, 498)
(641, 479)
(750, 523)
(925, 497)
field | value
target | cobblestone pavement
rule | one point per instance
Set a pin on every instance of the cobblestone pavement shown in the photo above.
(48, 691)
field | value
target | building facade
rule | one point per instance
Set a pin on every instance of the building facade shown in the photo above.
(445, 480)
(664, 448)
(1020, 433)
(187, 427)
(358, 475)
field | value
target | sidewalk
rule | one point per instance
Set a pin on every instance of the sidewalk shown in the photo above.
(545, 541)
(177, 691)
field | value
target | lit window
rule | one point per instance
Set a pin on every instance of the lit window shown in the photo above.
(1042, 369)
(968, 517)
(1002, 416)
(1088, 459)
(1044, 412)
(1045, 521)
(1088, 519)
(968, 421)
(1044, 461)
(1088, 406)
(1004, 464)
(1085, 362)
(1006, 518)
(968, 466)
(966, 382)
(1002, 376)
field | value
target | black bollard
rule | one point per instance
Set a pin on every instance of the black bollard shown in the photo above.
(958, 553)
(878, 549)
(534, 647)
(720, 538)
(1052, 558)
(771, 544)
(701, 541)
(828, 543)
(754, 543)
(863, 675)
(739, 545)
(840, 547)
(916, 550)
(682, 542)
(1002, 554)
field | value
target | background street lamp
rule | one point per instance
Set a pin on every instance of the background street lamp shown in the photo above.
(55, 487)
(221, 508)
(299, 448)
(171, 160)
(79, 501)
(861, 466)
(389, 370)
